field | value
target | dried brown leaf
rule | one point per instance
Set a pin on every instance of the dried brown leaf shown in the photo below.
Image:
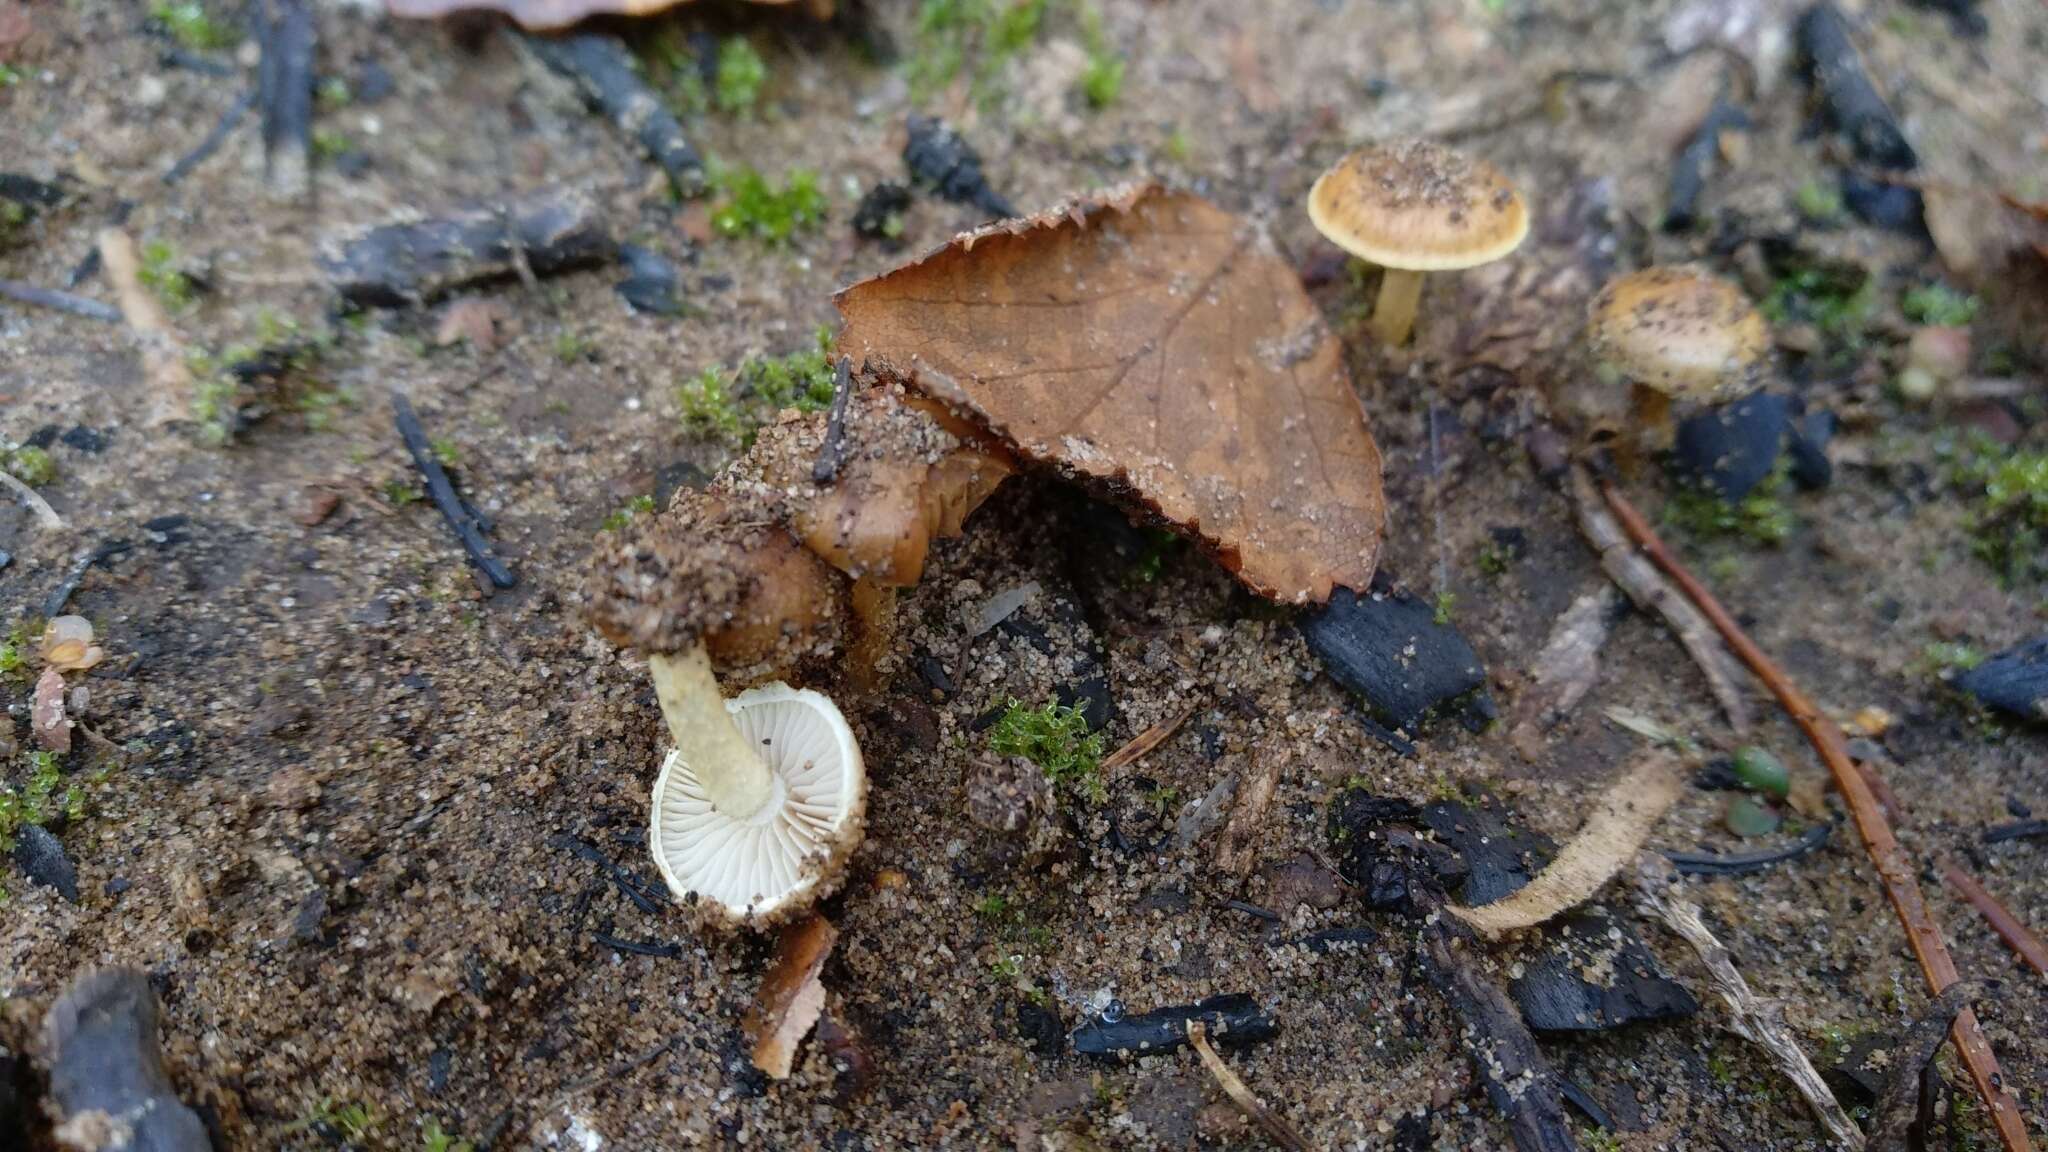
(1160, 348)
(791, 996)
(1609, 840)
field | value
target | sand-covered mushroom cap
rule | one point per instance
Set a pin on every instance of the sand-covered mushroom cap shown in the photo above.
(1682, 331)
(793, 849)
(1418, 207)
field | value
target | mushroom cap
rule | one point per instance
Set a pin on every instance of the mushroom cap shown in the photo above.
(1680, 330)
(1419, 207)
(794, 850)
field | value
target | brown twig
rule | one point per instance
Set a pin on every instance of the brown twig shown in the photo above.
(1893, 869)
(2009, 927)
(1652, 594)
(163, 354)
(1241, 1095)
(833, 452)
(1144, 742)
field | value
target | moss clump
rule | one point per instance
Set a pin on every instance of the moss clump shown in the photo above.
(193, 27)
(1762, 517)
(741, 76)
(1939, 305)
(2008, 517)
(434, 1139)
(751, 206)
(977, 36)
(1819, 202)
(1836, 300)
(729, 405)
(1057, 739)
(639, 506)
(1103, 79)
(161, 275)
(31, 466)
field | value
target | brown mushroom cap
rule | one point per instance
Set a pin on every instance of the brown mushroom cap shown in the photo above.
(1682, 331)
(715, 568)
(1419, 207)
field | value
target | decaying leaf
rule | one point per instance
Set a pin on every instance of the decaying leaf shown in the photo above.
(1159, 348)
(1609, 840)
(46, 715)
(791, 996)
(546, 14)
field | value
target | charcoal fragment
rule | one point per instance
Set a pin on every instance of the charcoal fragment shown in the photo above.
(2014, 681)
(1389, 648)
(939, 158)
(1595, 974)
(1233, 1021)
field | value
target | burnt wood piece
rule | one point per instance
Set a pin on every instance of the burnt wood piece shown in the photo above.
(412, 264)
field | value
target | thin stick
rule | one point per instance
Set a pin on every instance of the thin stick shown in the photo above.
(1750, 1018)
(1652, 594)
(62, 301)
(832, 453)
(45, 515)
(1893, 869)
(1240, 1094)
(1144, 742)
(2009, 928)
(229, 121)
(1898, 1107)
(443, 491)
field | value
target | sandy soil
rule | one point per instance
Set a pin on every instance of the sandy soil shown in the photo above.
(336, 839)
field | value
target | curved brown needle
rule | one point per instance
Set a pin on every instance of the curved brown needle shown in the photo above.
(1893, 869)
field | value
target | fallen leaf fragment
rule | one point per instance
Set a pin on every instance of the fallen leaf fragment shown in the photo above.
(67, 645)
(52, 729)
(791, 997)
(1159, 348)
(1608, 841)
(471, 318)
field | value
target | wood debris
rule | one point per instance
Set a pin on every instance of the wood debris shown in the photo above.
(792, 997)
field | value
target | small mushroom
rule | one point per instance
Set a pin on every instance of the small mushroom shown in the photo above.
(760, 802)
(1413, 207)
(1676, 333)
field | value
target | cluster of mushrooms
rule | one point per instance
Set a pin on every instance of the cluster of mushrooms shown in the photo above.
(787, 566)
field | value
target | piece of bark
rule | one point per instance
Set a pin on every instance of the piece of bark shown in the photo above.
(602, 69)
(1565, 669)
(287, 35)
(163, 353)
(1608, 841)
(1652, 593)
(103, 1049)
(791, 997)
(413, 263)
(1239, 848)
(1233, 1021)
(1898, 1109)
(46, 716)
(1756, 1021)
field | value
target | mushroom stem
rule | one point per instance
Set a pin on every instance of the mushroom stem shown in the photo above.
(874, 614)
(1393, 317)
(1654, 425)
(732, 773)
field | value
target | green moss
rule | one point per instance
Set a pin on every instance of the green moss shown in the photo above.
(399, 493)
(1761, 518)
(1057, 739)
(32, 466)
(1943, 658)
(1103, 79)
(639, 506)
(434, 1139)
(1178, 147)
(8, 77)
(571, 346)
(1496, 558)
(1007, 968)
(1939, 305)
(1151, 563)
(192, 26)
(161, 275)
(43, 794)
(329, 143)
(333, 94)
(751, 206)
(730, 404)
(992, 907)
(976, 36)
(1837, 300)
(353, 1121)
(2007, 490)
(1446, 603)
(740, 77)
(1600, 1140)
(1818, 201)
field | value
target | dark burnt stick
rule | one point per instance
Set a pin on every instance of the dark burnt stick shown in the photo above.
(602, 68)
(284, 86)
(229, 121)
(833, 452)
(396, 264)
(1696, 160)
(1899, 1108)
(1827, 53)
(638, 947)
(443, 492)
(2017, 830)
(1741, 863)
(62, 301)
(1518, 1080)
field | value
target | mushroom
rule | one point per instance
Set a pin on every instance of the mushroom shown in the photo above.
(760, 802)
(1413, 207)
(1676, 333)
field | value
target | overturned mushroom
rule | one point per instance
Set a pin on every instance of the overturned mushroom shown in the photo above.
(761, 800)
(1676, 334)
(1413, 207)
